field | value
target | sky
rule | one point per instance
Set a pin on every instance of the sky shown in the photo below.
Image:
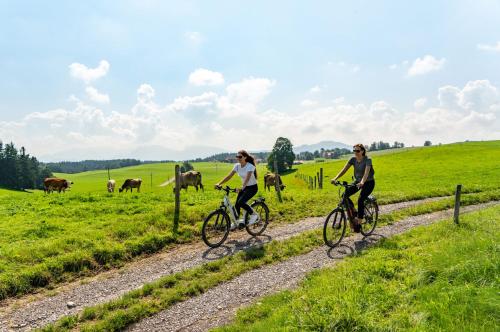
(180, 79)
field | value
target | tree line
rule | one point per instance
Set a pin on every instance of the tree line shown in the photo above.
(19, 170)
(72, 167)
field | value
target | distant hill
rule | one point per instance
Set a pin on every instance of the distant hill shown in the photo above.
(327, 145)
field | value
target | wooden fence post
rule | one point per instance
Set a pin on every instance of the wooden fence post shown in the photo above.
(457, 203)
(321, 178)
(177, 198)
(315, 180)
(277, 181)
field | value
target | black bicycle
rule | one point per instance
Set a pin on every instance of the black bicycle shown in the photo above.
(335, 223)
(217, 224)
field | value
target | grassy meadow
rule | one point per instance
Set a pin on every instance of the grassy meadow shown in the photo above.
(434, 278)
(46, 239)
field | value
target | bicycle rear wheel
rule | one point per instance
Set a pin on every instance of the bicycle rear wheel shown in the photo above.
(215, 228)
(334, 228)
(371, 217)
(260, 226)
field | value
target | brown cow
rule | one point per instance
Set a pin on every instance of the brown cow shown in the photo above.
(130, 184)
(191, 178)
(270, 181)
(51, 184)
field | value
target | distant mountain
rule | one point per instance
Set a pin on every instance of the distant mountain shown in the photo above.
(323, 144)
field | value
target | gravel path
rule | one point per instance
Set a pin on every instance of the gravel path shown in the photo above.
(39, 310)
(218, 305)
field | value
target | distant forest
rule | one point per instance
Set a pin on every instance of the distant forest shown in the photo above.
(19, 170)
(90, 165)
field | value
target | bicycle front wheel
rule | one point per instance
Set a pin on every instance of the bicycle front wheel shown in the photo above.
(215, 228)
(260, 226)
(371, 218)
(334, 228)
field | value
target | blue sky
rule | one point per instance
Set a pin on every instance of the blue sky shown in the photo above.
(304, 65)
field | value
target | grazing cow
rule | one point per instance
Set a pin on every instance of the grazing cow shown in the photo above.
(270, 181)
(51, 184)
(111, 186)
(130, 184)
(191, 178)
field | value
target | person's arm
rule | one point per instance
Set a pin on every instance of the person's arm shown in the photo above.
(227, 178)
(342, 172)
(365, 176)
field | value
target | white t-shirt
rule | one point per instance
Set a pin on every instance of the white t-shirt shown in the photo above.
(243, 171)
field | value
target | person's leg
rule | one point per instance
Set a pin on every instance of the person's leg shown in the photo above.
(245, 196)
(349, 192)
(365, 192)
(237, 206)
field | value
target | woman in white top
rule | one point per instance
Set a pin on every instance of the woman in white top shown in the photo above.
(247, 171)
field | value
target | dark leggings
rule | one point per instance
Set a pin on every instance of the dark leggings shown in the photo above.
(366, 190)
(243, 197)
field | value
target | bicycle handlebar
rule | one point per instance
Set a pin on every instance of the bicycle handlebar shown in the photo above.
(227, 189)
(344, 184)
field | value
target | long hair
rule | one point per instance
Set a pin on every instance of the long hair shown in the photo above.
(250, 159)
(362, 147)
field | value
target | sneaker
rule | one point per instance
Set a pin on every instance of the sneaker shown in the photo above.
(254, 218)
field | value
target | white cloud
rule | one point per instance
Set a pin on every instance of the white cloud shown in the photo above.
(82, 72)
(420, 103)
(145, 93)
(235, 119)
(393, 66)
(315, 89)
(476, 95)
(490, 48)
(96, 96)
(193, 37)
(309, 103)
(250, 90)
(425, 65)
(202, 77)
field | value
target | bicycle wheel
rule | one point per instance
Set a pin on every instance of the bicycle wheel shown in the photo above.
(215, 228)
(260, 226)
(334, 228)
(371, 217)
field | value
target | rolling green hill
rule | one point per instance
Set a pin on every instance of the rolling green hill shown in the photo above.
(46, 239)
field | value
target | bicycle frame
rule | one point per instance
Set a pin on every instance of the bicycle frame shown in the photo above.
(344, 202)
(226, 205)
(229, 208)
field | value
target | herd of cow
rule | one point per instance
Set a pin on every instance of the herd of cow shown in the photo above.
(191, 178)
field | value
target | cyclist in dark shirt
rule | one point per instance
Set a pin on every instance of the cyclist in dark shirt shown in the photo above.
(364, 175)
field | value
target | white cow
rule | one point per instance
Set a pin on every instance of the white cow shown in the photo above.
(111, 186)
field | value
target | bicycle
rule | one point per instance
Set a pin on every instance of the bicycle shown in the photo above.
(335, 223)
(217, 224)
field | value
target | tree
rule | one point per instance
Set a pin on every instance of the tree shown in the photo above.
(427, 143)
(283, 154)
(186, 167)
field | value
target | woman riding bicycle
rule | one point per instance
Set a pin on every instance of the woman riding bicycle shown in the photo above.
(363, 173)
(247, 171)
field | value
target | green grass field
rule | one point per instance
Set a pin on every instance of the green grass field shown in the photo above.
(434, 278)
(46, 239)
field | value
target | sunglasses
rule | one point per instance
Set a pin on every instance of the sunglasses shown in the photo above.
(356, 150)
(239, 157)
